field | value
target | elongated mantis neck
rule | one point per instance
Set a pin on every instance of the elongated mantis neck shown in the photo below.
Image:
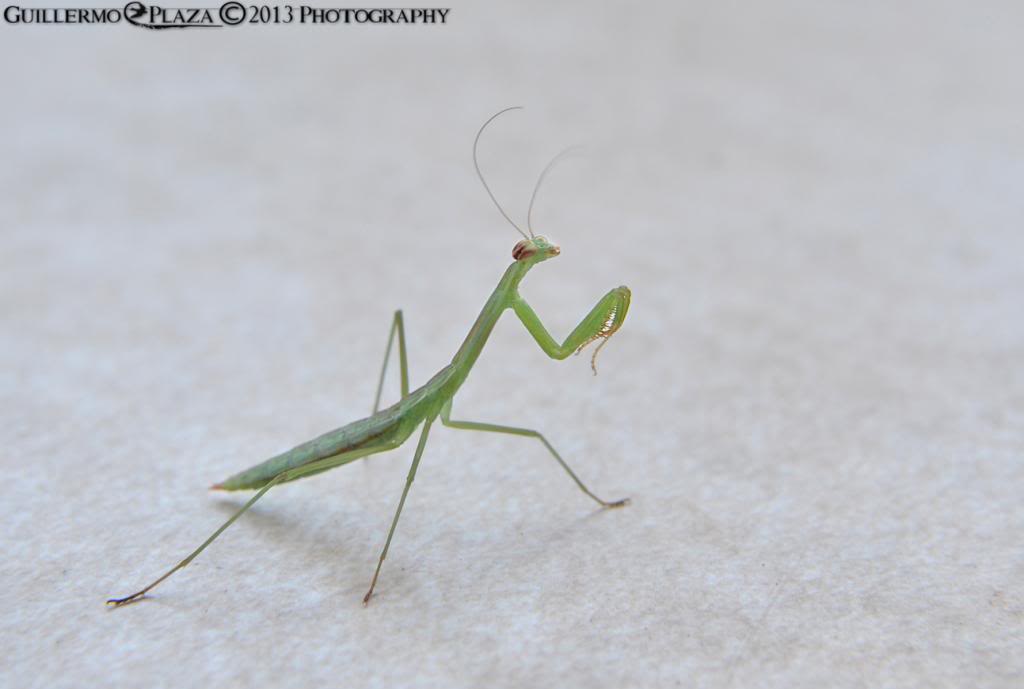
(500, 299)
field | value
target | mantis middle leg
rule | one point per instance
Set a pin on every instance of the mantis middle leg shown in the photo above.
(529, 433)
(401, 503)
(397, 326)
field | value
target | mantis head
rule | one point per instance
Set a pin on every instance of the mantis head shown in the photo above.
(535, 249)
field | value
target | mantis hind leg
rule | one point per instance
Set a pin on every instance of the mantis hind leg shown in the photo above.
(397, 327)
(528, 433)
(311, 468)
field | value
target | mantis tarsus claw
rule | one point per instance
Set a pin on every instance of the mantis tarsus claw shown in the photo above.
(118, 602)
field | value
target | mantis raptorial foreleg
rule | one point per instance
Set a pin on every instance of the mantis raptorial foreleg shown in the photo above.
(397, 325)
(601, 323)
(529, 433)
(315, 467)
(401, 503)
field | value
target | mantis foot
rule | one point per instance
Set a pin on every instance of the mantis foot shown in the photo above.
(118, 602)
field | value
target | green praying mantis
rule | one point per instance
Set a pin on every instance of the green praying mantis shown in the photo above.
(387, 429)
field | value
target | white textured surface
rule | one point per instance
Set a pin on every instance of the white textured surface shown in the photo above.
(817, 404)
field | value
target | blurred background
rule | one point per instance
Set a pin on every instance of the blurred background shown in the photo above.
(816, 403)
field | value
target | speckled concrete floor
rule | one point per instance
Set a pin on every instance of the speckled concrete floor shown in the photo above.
(816, 403)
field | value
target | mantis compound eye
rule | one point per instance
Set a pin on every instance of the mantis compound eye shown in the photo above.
(522, 249)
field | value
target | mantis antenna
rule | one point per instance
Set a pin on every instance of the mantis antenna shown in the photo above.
(481, 175)
(543, 174)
